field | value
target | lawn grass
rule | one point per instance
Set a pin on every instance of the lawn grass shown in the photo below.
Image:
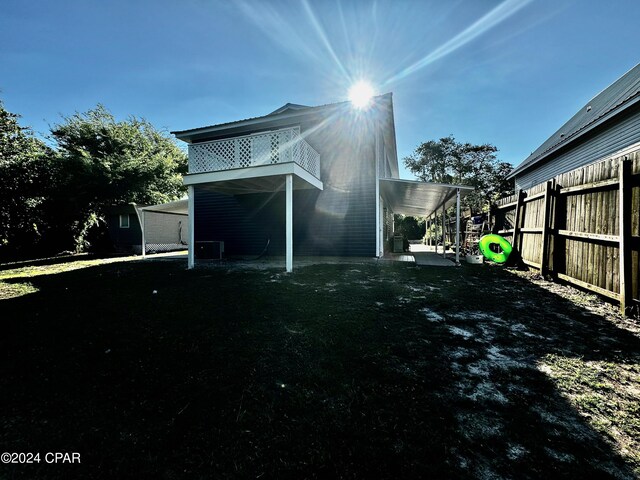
(338, 371)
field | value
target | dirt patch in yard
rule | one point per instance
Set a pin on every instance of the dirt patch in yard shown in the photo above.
(342, 371)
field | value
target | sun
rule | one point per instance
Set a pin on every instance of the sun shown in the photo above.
(360, 94)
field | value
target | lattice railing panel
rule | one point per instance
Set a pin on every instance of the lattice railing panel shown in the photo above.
(281, 146)
(305, 155)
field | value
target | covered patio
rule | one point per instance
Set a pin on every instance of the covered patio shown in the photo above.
(428, 200)
(406, 197)
(264, 162)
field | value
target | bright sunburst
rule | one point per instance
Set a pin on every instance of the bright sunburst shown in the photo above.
(360, 94)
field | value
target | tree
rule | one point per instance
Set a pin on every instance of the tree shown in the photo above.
(449, 161)
(25, 165)
(103, 162)
(409, 227)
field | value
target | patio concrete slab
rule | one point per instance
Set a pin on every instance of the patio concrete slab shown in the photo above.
(423, 258)
(278, 262)
(432, 259)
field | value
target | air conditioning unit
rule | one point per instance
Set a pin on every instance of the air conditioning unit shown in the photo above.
(398, 244)
(209, 250)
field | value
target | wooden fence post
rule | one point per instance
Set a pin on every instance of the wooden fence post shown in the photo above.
(624, 199)
(516, 223)
(559, 223)
(544, 258)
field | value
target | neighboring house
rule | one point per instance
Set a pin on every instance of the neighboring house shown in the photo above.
(306, 180)
(607, 124)
(166, 227)
(125, 233)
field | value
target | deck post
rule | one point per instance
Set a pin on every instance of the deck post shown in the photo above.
(289, 222)
(457, 226)
(192, 222)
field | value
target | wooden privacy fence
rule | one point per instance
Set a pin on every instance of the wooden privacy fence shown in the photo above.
(582, 227)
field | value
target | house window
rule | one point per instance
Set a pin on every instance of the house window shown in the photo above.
(124, 221)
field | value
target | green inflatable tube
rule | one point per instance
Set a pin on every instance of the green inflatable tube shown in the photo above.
(493, 239)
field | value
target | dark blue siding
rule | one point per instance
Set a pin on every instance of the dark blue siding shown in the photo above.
(340, 220)
(325, 223)
(124, 238)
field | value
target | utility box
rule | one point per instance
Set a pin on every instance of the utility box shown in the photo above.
(398, 244)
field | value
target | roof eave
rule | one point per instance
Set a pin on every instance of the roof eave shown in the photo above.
(187, 135)
(579, 134)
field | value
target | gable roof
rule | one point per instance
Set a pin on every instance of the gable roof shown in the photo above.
(286, 111)
(613, 100)
(288, 106)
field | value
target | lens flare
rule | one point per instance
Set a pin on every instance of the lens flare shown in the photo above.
(499, 14)
(360, 94)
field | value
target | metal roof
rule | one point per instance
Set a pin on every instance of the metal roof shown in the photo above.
(614, 99)
(289, 106)
(421, 199)
(407, 197)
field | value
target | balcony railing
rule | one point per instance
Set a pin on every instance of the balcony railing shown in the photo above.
(279, 146)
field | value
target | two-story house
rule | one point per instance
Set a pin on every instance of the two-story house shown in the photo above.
(313, 181)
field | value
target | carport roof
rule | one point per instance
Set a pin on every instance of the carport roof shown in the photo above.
(419, 199)
(407, 197)
(180, 207)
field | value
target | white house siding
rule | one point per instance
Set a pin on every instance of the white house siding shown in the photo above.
(165, 231)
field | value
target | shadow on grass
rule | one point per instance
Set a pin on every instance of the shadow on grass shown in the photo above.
(335, 371)
(39, 262)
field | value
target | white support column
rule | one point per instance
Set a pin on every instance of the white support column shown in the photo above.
(381, 228)
(289, 221)
(426, 227)
(379, 245)
(427, 231)
(457, 226)
(192, 223)
(444, 234)
(144, 241)
(431, 233)
(435, 230)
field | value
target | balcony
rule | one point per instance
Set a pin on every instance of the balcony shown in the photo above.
(257, 150)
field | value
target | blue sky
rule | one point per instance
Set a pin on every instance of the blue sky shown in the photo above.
(508, 73)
